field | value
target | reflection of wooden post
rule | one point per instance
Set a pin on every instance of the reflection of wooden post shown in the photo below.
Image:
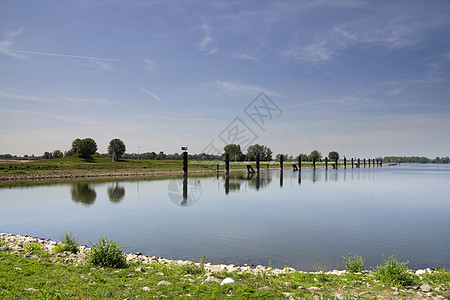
(314, 163)
(281, 178)
(257, 181)
(281, 162)
(227, 184)
(345, 163)
(185, 189)
(257, 163)
(326, 163)
(185, 163)
(227, 163)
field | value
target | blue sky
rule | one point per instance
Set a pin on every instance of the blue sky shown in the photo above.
(364, 78)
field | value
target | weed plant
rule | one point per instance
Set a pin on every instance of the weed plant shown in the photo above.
(107, 253)
(33, 248)
(392, 272)
(69, 242)
(354, 264)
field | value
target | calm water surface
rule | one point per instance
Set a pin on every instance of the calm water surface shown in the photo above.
(317, 218)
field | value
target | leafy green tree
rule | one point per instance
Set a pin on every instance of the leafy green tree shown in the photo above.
(74, 149)
(86, 148)
(286, 157)
(116, 148)
(234, 151)
(57, 154)
(303, 156)
(264, 152)
(47, 155)
(333, 155)
(315, 154)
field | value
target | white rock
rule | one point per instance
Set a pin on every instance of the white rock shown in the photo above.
(227, 280)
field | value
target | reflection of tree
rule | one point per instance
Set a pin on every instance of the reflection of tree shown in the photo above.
(83, 193)
(116, 193)
(233, 181)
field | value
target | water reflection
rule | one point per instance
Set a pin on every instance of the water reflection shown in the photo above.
(185, 192)
(257, 181)
(116, 192)
(83, 193)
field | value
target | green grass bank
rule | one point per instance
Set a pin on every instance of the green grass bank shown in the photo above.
(30, 269)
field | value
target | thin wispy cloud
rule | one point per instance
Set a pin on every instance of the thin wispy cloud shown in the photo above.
(55, 99)
(237, 88)
(88, 100)
(150, 65)
(59, 55)
(150, 93)
(244, 56)
(205, 44)
(103, 65)
(8, 41)
(11, 96)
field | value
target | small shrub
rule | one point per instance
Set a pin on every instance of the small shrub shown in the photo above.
(354, 264)
(192, 268)
(393, 272)
(107, 253)
(69, 242)
(33, 247)
(63, 248)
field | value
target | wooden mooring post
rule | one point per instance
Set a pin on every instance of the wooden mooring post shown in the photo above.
(185, 163)
(352, 163)
(299, 163)
(345, 163)
(314, 163)
(359, 163)
(326, 163)
(336, 162)
(364, 162)
(281, 162)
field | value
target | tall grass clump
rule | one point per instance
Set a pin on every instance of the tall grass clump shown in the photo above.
(354, 264)
(193, 268)
(68, 242)
(393, 272)
(107, 253)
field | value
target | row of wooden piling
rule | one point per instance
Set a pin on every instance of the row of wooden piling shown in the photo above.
(354, 164)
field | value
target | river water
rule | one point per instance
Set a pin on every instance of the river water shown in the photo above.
(302, 219)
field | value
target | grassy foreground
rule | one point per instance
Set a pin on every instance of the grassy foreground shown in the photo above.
(33, 276)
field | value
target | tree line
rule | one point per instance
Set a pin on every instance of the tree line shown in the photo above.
(87, 147)
(417, 159)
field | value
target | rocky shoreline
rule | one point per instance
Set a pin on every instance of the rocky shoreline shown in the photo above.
(16, 245)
